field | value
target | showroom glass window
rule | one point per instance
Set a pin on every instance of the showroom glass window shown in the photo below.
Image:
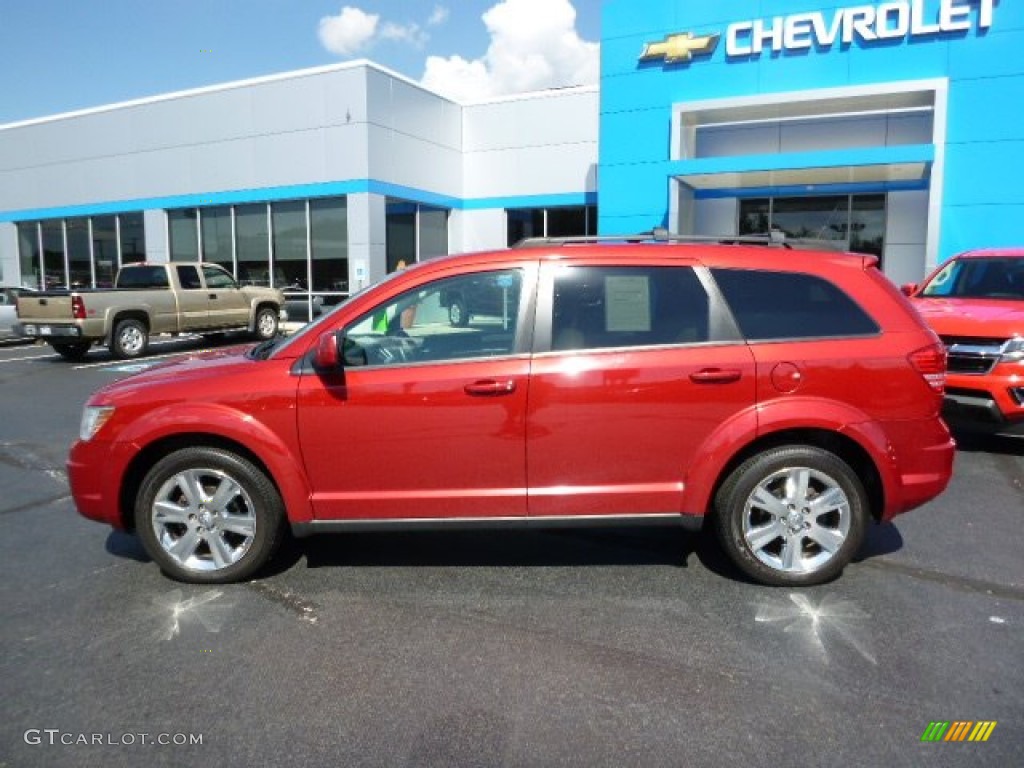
(104, 250)
(328, 223)
(79, 258)
(289, 227)
(562, 221)
(218, 244)
(414, 232)
(29, 255)
(837, 222)
(133, 237)
(252, 242)
(53, 253)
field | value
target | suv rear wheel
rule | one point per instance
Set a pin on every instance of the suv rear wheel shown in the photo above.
(792, 516)
(130, 339)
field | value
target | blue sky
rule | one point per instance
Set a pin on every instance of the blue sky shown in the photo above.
(62, 55)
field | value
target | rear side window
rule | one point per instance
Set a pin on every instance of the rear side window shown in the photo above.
(142, 277)
(605, 307)
(790, 305)
(188, 277)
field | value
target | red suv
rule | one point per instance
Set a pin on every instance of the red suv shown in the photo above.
(789, 397)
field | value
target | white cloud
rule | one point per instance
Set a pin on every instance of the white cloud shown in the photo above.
(349, 32)
(534, 45)
(438, 16)
(404, 33)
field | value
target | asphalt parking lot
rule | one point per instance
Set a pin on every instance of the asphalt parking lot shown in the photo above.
(578, 648)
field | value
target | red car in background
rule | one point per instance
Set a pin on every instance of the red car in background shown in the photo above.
(790, 397)
(975, 302)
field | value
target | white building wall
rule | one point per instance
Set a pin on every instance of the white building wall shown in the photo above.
(715, 217)
(367, 261)
(480, 230)
(535, 144)
(303, 128)
(10, 273)
(414, 136)
(906, 235)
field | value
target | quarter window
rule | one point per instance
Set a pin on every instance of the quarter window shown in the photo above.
(787, 305)
(603, 307)
(457, 318)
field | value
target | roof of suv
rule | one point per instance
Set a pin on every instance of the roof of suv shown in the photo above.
(714, 253)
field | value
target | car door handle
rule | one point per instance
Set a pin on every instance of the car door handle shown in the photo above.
(490, 388)
(213, 295)
(715, 376)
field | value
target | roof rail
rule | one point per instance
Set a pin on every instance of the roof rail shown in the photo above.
(775, 238)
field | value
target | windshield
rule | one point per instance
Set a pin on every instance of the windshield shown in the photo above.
(979, 278)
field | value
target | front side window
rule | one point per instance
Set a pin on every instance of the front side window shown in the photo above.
(790, 305)
(217, 278)
(606, 307)
(457, 318)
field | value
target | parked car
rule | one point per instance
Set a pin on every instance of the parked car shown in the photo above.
(789, 397)
(182, 297)
(9, 309)
(975, 302)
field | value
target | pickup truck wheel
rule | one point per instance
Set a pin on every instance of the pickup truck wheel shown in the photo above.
(208, 516)
(130, 339)
(266, 323)
(73, 351)
(458, 314)
(792, 516)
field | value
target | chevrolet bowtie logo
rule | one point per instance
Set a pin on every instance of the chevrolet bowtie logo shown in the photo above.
(681, 47)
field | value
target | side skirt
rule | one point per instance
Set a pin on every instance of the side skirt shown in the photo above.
(672, 520)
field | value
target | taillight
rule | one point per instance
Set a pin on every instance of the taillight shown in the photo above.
(930, 362)
(77, 308)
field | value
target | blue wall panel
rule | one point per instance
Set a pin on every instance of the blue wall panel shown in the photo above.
(983, 194)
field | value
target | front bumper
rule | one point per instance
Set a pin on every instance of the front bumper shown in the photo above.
(91, 468)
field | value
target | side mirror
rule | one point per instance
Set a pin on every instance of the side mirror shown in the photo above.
(909, 289)
(327, 357)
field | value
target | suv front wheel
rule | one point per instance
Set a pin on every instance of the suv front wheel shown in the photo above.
(792, 516)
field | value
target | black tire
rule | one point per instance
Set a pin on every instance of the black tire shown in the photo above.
(75, 350)
(458, 313)
(130, 339)
(810, 545)
(228, 529)
(265, 323)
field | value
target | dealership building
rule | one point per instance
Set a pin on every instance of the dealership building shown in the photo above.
(894, 128)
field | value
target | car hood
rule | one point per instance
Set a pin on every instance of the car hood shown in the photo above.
(182, 377)
(973, 317)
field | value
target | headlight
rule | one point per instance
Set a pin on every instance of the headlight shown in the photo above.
(1012, 351)
(93, 418)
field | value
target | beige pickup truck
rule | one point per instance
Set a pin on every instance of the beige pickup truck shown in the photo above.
(181, 297)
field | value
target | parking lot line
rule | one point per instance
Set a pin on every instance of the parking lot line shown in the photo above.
(26, 357)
